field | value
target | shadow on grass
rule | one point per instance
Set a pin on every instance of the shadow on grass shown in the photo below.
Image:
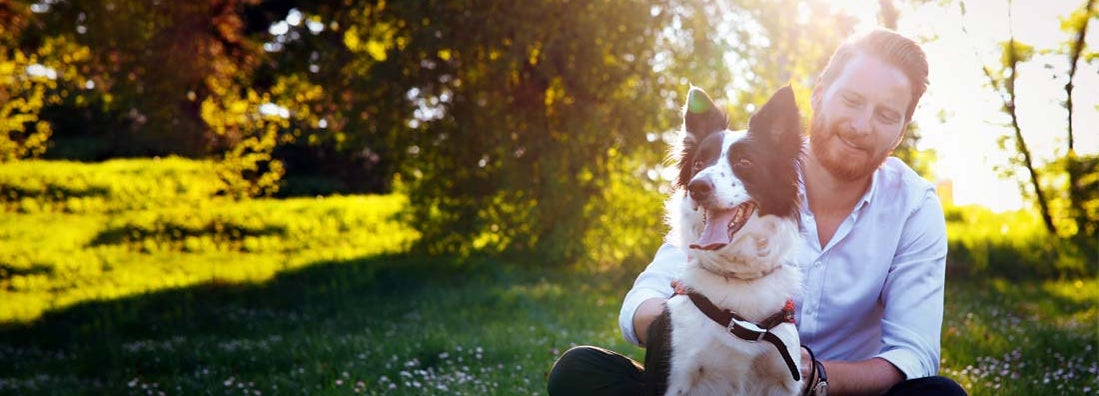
(319, 287)
(374, 316)
(100, 330)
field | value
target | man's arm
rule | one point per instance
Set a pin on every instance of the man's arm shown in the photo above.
(868, 377)
(912, 301)
(645, 315)
(645, 301)
(912, 295)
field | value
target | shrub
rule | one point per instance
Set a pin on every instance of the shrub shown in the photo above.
(1013, 245)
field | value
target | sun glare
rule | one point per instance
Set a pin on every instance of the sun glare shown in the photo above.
(960, 117)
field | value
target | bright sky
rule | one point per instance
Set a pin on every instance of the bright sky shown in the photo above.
(965, 139)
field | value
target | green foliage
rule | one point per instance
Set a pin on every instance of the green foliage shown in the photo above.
(505, 122)
(520, 120)
(1051, 197)
(1012, 245)
(258, 123)
(628, 216)
(29, 82)
(155, 72)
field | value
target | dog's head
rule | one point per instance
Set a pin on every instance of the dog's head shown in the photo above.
(731, 179)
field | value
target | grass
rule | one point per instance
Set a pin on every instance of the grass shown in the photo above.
(316, 296)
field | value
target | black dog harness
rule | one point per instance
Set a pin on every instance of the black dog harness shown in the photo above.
(750, 331)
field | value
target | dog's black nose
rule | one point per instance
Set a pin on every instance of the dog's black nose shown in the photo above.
(700, 189)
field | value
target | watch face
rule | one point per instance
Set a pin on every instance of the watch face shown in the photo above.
(822, 389)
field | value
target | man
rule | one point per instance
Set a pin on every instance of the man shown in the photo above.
(873, 244)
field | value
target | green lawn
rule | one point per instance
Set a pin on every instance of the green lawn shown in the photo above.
(102, 292)
(404, 325)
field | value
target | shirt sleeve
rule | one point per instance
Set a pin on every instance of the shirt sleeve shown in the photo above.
(654, 281)
(913, 293)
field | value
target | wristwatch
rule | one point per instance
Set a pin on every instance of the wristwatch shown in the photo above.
(821, 387)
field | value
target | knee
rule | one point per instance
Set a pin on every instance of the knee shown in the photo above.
(946, 386)
(569, 366)
(937, 385)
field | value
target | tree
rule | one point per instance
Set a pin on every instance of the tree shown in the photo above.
(1077, 217)
(33, 76)
(154, 71)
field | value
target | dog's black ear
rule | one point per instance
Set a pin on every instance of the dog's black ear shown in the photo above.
(779, 119)
(701, 116)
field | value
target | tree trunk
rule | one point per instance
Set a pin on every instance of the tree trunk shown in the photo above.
(1072, 163)
(1008, 97)
(1020, 142)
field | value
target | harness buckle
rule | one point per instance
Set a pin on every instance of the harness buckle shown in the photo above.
(750, 331)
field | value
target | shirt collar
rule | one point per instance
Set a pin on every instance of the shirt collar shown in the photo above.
(866, 197)
(870, 190)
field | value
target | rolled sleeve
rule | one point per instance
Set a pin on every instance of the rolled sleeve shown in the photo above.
(913, 293)
(654, 282)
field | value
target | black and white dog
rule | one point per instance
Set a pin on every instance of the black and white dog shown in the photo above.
(729, 329)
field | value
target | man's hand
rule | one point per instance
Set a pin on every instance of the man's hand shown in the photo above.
(646, 313)
(868, 377)
(806, 369)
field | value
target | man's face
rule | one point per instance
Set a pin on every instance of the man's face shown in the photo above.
(859, 117)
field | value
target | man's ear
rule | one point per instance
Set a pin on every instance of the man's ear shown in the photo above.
(701, 116)
(778, 120)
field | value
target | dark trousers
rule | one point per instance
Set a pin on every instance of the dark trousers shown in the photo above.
(588, 370)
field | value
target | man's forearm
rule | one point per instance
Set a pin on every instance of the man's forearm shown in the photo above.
(867, 377)
(645, 315)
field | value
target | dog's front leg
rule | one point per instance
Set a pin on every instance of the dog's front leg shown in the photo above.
(658, 354)
(788, 333)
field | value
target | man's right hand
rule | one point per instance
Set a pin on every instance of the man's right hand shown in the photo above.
(646, 313)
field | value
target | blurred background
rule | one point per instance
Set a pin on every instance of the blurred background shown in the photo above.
(149, 146)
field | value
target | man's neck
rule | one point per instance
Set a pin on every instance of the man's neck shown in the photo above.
(829, 195)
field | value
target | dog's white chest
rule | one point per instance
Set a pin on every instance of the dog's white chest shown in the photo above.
(708, 360)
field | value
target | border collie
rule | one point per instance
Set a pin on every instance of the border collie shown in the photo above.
(729, 329)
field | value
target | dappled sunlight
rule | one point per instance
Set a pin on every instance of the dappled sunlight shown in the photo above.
(520, 153)
(1029, 337)
(81, 233)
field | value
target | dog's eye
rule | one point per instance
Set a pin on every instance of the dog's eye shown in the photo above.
(743, 163)
(698, 165)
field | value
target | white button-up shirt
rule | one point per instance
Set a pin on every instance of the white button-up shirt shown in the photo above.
(876, 289)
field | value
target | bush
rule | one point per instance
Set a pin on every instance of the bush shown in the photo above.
(1012, 245)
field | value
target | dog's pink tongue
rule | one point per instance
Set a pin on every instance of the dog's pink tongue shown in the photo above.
(716, 233)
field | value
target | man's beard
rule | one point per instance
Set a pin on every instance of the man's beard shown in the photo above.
(823, 136)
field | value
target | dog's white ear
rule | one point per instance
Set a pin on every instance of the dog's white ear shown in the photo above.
(779, 118)
(701, 116)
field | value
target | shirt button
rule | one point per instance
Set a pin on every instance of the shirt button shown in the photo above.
(817, 264)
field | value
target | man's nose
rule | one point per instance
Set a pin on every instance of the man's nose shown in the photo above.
(861, 123)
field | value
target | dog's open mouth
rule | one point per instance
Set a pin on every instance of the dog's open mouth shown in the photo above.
(722, 224)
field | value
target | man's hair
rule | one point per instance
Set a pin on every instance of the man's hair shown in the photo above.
(889, 47)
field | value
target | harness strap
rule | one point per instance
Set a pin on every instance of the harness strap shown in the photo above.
(750, 331)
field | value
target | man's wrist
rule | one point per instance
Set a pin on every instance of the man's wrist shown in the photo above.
(820, 385)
